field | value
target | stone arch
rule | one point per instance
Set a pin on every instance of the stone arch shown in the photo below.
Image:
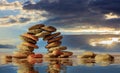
(49, 34)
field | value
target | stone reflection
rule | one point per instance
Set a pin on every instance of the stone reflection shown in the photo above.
(5, 59)
(54, 65)
(25, 66)
(58, 65)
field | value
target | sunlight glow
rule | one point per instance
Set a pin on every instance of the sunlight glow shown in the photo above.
(111, 16)
(104, 42)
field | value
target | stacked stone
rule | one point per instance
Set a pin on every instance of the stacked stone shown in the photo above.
(49, 34)
(29, 43)
(54, 43)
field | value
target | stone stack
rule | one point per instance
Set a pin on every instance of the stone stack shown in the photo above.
(49, 34)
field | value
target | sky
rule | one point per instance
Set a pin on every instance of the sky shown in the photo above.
(85, 24)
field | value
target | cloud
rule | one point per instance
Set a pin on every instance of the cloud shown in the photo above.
(24, 16)
(68, 14)
(105, 42)
(79, 30)
(75, 16)
(7, 43)
(4, 5)
(7, 46)
(82, 42)
(104, 6)
(111, 16)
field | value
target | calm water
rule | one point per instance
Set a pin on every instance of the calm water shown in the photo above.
(71, 65)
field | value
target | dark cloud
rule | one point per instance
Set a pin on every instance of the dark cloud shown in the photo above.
(61, 7)
(105, 6)
(69, 13)
(7, 46)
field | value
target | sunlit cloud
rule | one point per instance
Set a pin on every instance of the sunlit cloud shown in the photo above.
(8, 41)
(105, 42)
(111, 16)
(90, 30)
(4, 5)
(24, 16)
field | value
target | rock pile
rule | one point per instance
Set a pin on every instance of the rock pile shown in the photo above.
(49, 34)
